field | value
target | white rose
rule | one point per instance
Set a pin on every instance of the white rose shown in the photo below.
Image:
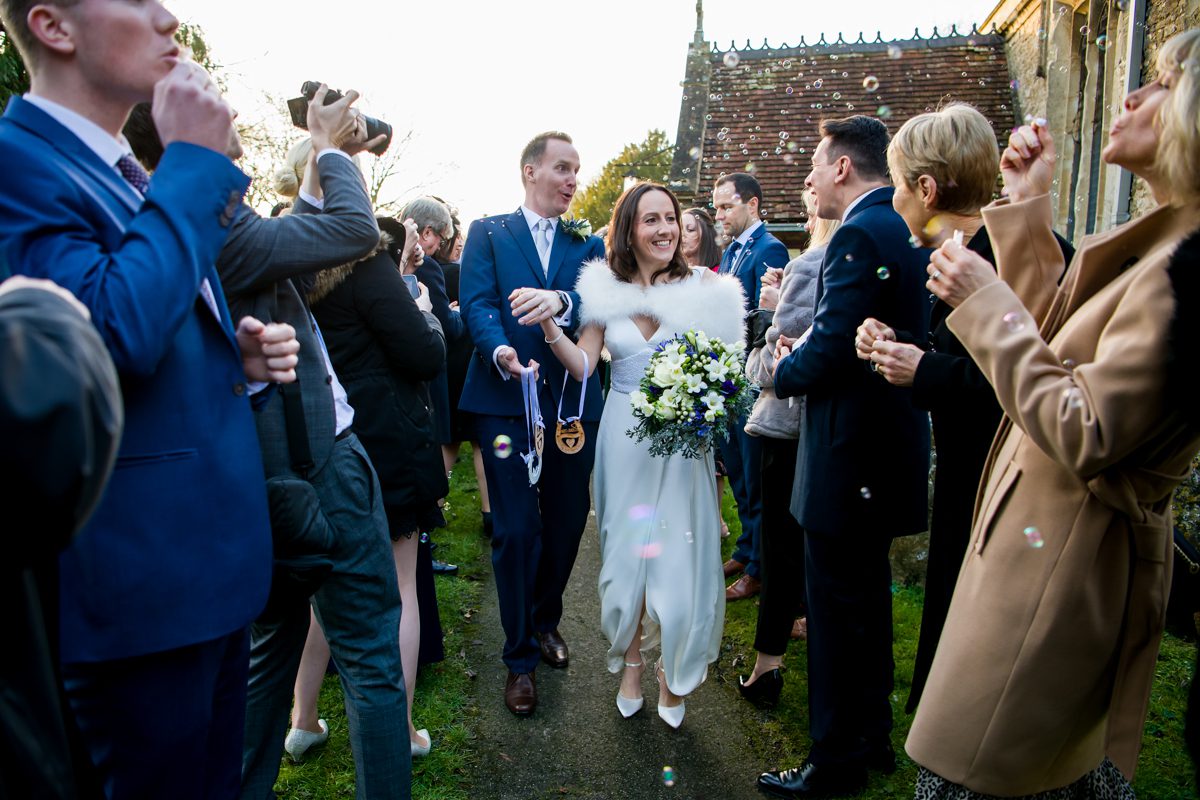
(664, 375)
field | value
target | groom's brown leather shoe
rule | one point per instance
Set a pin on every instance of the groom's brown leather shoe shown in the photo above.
(520, 693)
(554, 649)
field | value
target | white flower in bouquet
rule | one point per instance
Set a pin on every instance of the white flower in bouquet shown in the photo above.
(714, 401)
(717, 371)
(695, 383)
(665, 375)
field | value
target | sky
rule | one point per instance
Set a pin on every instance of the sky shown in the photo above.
(475, 80)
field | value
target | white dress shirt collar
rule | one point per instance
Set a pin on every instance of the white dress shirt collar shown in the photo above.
(533, 218)
(98, 140)
(745, 235)
(854, 203)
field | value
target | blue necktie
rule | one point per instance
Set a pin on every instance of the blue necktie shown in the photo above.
(730, 257)
(132, 171)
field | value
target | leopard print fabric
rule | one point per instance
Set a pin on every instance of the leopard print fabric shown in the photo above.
(1103, 783)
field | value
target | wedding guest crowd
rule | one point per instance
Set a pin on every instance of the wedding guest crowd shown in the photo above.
(237, 432)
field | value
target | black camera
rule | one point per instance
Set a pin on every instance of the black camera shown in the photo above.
(298, 107)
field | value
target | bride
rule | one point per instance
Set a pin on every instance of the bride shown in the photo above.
(661, 582)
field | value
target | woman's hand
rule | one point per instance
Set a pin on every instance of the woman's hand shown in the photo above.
(533, 306)
(783, 349)
(870, 332)
(423, 301)
(956, 273)
(1027, 164)
(896, 362)
(768, 297)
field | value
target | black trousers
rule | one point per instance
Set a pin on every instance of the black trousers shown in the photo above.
(782, 540)
(850, 661)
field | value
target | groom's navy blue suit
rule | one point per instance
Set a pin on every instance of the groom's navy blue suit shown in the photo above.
(537, 529)
(861, 476)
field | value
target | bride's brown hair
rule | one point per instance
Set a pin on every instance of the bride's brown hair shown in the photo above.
(618, 244)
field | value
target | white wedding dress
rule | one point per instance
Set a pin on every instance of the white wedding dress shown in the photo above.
(659, 525)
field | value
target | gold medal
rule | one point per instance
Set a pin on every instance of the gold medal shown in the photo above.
(569, 436)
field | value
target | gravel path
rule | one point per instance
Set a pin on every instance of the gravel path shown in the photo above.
(576, 744)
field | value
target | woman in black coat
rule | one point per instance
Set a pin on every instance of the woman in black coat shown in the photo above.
(385, 346)
(944, 165)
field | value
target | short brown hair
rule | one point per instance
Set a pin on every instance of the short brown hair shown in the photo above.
(863, 139)
(956, 146)
(745, 185)
(536, 148)
(14, 15)
(618, 243)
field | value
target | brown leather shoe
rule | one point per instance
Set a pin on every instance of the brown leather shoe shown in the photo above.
(520, 693)
(733, 567)
(554, 649)
(800, 628)
(742, 588)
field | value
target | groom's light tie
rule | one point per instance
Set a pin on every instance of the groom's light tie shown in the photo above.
(543, 237)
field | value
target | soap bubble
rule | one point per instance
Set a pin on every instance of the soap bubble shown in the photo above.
(1034, 538)
(865, 492)
(817, 84)
(423, 538)
(914, 242)
(849, 256)
(883, 112)
(731, 59)
(883, 273)
(1073, 398)
(1101, 43)
(1070, 363)
(870, 83)
(837, 95)
(1014, 322)
(668, 776)
(694, 153)
(789, 90)
(894, 51)
(502, 446)
(689, 537)
(641, 513)
(648, 551)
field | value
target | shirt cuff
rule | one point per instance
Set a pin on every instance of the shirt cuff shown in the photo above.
(563, 320)
(495, 360)
(312, 201)
(336, 152)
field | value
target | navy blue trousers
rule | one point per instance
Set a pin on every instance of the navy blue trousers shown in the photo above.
(536, 529)
(742, 454)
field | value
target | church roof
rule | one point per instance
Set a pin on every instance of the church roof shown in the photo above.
(758, 109)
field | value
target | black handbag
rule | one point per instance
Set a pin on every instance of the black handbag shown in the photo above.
(1183, 603)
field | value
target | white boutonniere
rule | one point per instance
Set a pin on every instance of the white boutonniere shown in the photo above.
(579, 228)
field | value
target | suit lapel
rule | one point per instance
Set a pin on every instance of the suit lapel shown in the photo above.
(42, 125)
(518, 228)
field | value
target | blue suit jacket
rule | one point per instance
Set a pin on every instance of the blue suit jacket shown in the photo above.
(761, 251)
(500, 256)
(179, 549)
(863, 461)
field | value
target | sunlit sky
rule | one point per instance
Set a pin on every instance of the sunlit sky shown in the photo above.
(474, 80)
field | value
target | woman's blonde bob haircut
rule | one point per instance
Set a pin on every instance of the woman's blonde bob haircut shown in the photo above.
(956, 146)
(1178, 160)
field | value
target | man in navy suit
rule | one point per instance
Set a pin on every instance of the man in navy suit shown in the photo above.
(738, 198)
(158, 588)
(518, 269)
(862, 465)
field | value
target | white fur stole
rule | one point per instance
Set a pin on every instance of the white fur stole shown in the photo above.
(705, 301)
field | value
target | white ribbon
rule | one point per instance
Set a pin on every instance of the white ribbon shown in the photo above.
(582, 388)
(533, 422)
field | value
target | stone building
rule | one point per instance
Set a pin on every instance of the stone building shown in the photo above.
(1071, 64)
(757, 109)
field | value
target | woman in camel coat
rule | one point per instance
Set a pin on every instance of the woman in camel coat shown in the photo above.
(1042, 675)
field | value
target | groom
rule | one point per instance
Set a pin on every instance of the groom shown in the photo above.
(518, 269)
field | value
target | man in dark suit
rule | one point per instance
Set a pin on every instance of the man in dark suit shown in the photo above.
(738, 198)
(157, 590)
(862, 466)
(510, 283)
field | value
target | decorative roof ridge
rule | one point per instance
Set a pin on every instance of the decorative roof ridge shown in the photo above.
(936, 39)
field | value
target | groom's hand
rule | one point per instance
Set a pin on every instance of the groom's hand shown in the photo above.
(531, 306)
(507, 360)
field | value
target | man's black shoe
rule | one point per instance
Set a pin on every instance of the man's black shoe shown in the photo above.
(811, 780)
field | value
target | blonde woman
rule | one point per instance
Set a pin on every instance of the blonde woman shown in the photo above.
(1042, 676)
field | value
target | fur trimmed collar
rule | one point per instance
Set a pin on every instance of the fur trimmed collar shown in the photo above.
(329, 279)
(705, 301)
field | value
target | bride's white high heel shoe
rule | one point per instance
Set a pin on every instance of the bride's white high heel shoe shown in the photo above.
(672, 715)
(629, 706)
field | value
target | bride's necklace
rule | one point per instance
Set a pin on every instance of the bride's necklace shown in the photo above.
(569, 433)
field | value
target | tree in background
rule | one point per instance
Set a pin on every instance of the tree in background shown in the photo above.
(13, 77)
(648, 160)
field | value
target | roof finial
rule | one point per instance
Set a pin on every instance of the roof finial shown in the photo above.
(699, 37)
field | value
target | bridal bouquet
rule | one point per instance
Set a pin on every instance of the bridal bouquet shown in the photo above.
(694, 389)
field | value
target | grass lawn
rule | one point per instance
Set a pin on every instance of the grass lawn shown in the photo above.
(445, 701)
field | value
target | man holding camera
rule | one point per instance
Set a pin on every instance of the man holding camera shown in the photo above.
(158, 588)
